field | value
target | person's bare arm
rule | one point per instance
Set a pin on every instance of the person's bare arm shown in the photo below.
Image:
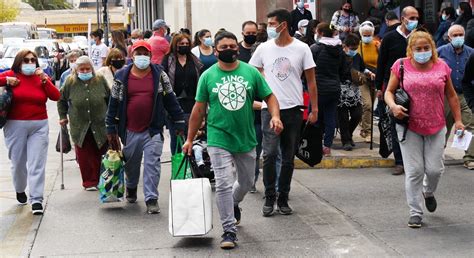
(195, 120)
(313, 94)
(274, 110)
(453, 102)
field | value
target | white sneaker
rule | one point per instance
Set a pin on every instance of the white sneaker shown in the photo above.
(469, 165)
(91, 189)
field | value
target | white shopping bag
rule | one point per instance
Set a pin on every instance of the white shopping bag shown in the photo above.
(190, 207)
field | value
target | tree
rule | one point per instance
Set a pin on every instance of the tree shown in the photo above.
(9, 9)
(48, 4)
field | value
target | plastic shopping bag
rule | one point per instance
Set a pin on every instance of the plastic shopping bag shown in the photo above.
(112, 181)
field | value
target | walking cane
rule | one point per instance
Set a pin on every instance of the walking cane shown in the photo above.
(62, 157)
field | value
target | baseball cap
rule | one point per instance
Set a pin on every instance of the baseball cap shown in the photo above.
(159, 24)
(303, 23)
(141, 43)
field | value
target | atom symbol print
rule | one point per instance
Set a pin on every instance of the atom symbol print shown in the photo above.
(232, 95)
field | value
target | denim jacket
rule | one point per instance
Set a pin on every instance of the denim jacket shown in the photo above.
(165, 99)
(457, 63)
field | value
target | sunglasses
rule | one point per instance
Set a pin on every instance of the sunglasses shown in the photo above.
(29, 60)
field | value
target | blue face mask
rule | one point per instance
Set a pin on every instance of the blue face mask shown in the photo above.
(141, 62)
(300, 5)
(422, 57)
(457, 42)
(85, 76)
(272, 32)
(28, 69)
(367, 40)
(351, 53)
(443, 17)
(92, 42)
(411, 25)
(208, 41)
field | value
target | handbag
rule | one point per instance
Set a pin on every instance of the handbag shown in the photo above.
(112, 181)
(385, 129)
(66, 142)
(6, 96)
(310, 147)
(180, 165)
(403, 99)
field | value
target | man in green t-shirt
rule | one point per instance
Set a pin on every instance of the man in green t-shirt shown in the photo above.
(230, 87)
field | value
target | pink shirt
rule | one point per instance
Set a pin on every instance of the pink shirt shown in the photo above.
(159, 48)
(426, 91)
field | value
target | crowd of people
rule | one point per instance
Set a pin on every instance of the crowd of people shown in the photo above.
(249, 94)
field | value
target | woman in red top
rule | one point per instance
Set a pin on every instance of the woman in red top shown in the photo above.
(26, 131)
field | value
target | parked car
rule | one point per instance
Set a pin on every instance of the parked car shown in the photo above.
(43, 58)
(46, 33)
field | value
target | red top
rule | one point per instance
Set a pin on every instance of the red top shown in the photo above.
(29, 96)
(140, 102)
(159, 48)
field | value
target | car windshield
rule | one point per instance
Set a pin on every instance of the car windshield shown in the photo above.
(44, 34)
(14, 32)
(41, 52)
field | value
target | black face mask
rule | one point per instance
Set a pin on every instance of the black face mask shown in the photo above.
(117, 64)
(184, 50)
(250, 39)
(228, 55)
(348, 10)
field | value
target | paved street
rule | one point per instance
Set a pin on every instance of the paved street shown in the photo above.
(344, 212)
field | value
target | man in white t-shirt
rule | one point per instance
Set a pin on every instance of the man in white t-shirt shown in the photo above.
(282, 60)
(99, 50)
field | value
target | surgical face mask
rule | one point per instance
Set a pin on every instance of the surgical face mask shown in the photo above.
(351, 53)
(228, 56)
(28, 69)
(208, 41)
(411, 25)
(272, 32)
(444, 17)
(300, 5)
(304, 32)
(367, 40)
(141, 62)
(457, 42)
(250, 39)
(422, 57)
(316, 38)
(72, 66)
(458, 12)
(85, 76)
(117, 64)
(92, 42)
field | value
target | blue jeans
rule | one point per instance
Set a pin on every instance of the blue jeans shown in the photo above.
(286, 142)
(327, 115)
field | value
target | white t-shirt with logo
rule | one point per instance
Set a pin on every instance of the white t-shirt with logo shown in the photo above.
(283, 67)
(97, 53)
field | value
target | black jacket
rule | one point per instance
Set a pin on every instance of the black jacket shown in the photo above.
(297, 16)
(467, 82)
(469, 38)
(164, 99)
(393, 47)
(330, 61)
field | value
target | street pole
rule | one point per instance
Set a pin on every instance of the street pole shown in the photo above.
(98, 13)
(106, 23)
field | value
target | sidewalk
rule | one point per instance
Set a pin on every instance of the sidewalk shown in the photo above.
(363, 157)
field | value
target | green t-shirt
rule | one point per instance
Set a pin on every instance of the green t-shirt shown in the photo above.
(230, 96)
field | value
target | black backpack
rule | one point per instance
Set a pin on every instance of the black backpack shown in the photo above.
(6, 96)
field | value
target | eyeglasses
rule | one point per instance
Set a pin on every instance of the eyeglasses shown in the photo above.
(29, 60)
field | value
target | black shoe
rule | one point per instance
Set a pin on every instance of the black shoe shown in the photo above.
(430, 203)
(21, 198)
(283, 207)
(229, 240)
(152, 206)
(253, 189)
(268, 207)
(37, 208)
(347, 146)
(414, 222)
(352, 143)
(131, 195)
(237, 214)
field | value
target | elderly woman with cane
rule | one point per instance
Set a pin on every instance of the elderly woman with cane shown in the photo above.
(83, 102)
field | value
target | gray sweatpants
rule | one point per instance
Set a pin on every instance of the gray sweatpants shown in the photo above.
(230, 192)
(423, 160)
(27, 143)
(140, 145)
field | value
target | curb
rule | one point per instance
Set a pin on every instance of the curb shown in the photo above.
(359, 162)
(348, 162)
